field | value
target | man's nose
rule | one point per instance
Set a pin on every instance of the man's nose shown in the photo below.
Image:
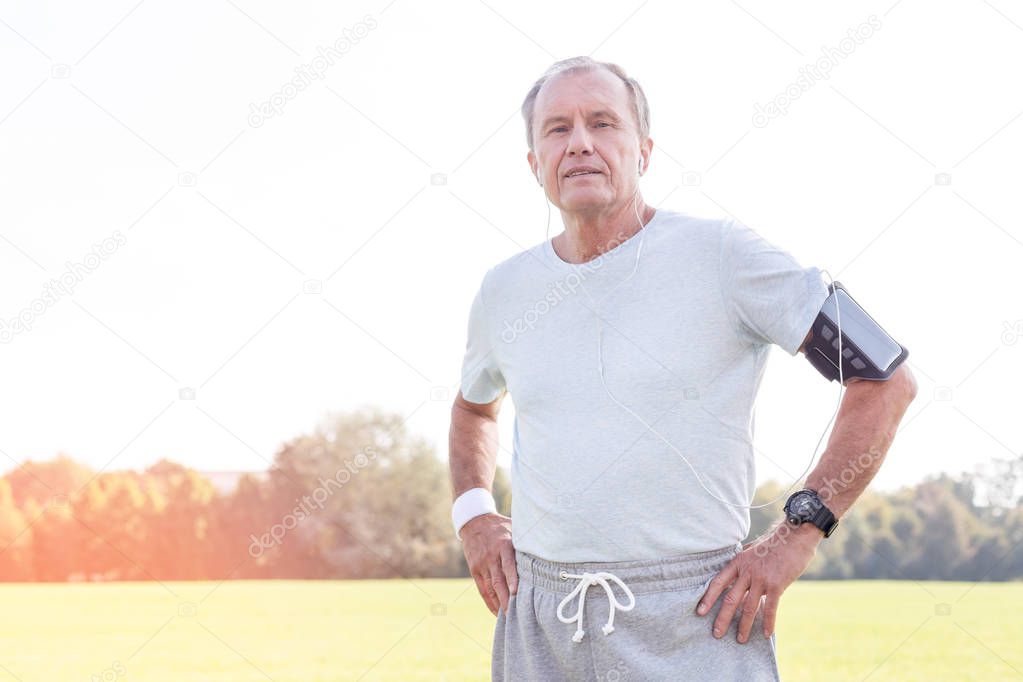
(580, 142)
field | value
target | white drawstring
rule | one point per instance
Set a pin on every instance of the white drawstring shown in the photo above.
(585, 580)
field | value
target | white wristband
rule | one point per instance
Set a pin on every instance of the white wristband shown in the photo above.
(470, 504)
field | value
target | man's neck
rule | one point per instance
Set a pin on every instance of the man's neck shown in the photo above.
(588, 235)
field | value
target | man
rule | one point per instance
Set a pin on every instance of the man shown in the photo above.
(634, 372)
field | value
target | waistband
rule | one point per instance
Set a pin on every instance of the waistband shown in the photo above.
(678, 572)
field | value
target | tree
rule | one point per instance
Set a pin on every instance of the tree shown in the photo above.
(45, 482)
(179, 521)
(364, 499)
(112, 512)
(15, 538)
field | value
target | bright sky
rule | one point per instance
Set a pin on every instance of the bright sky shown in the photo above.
(304, 261)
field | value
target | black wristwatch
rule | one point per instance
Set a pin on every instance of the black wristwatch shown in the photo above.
(806, 506)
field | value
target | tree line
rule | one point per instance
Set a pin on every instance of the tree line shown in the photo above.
(361, 497)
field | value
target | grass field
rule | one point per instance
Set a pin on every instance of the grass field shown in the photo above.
(294, 631)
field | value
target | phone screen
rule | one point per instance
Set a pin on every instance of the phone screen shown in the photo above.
(860, 328)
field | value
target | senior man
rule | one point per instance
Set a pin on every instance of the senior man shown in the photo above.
(634, 343)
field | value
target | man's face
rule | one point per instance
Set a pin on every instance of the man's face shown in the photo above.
(586, 120)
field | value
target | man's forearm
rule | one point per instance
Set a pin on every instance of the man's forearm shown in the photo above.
(864, 430)
(472, 450)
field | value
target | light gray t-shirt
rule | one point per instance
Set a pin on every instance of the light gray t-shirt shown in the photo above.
(685, 343)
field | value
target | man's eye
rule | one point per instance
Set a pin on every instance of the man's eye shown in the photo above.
(560, 128)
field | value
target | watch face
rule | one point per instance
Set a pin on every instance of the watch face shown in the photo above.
(801, 506)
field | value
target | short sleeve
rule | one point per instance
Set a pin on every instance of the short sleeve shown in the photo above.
(768, 295)
(482, 381)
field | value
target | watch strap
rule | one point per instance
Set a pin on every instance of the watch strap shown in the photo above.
(825, 520)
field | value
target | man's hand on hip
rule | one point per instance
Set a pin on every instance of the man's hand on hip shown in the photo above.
(487, 543)
(766, 566)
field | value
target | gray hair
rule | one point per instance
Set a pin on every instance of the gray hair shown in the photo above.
(581, 64)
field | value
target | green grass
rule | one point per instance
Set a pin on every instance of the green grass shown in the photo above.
(291, 631)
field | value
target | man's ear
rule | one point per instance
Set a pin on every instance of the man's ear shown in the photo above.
(531, 158)
(645, 150)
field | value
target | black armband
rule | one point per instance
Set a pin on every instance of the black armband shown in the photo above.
(868, 352)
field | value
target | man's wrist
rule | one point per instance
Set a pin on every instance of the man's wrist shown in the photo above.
(805, 530)
(470, 504)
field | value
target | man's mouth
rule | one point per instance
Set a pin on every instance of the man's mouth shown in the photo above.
(581, 174)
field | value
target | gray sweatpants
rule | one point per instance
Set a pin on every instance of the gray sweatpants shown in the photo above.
(659, 638)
